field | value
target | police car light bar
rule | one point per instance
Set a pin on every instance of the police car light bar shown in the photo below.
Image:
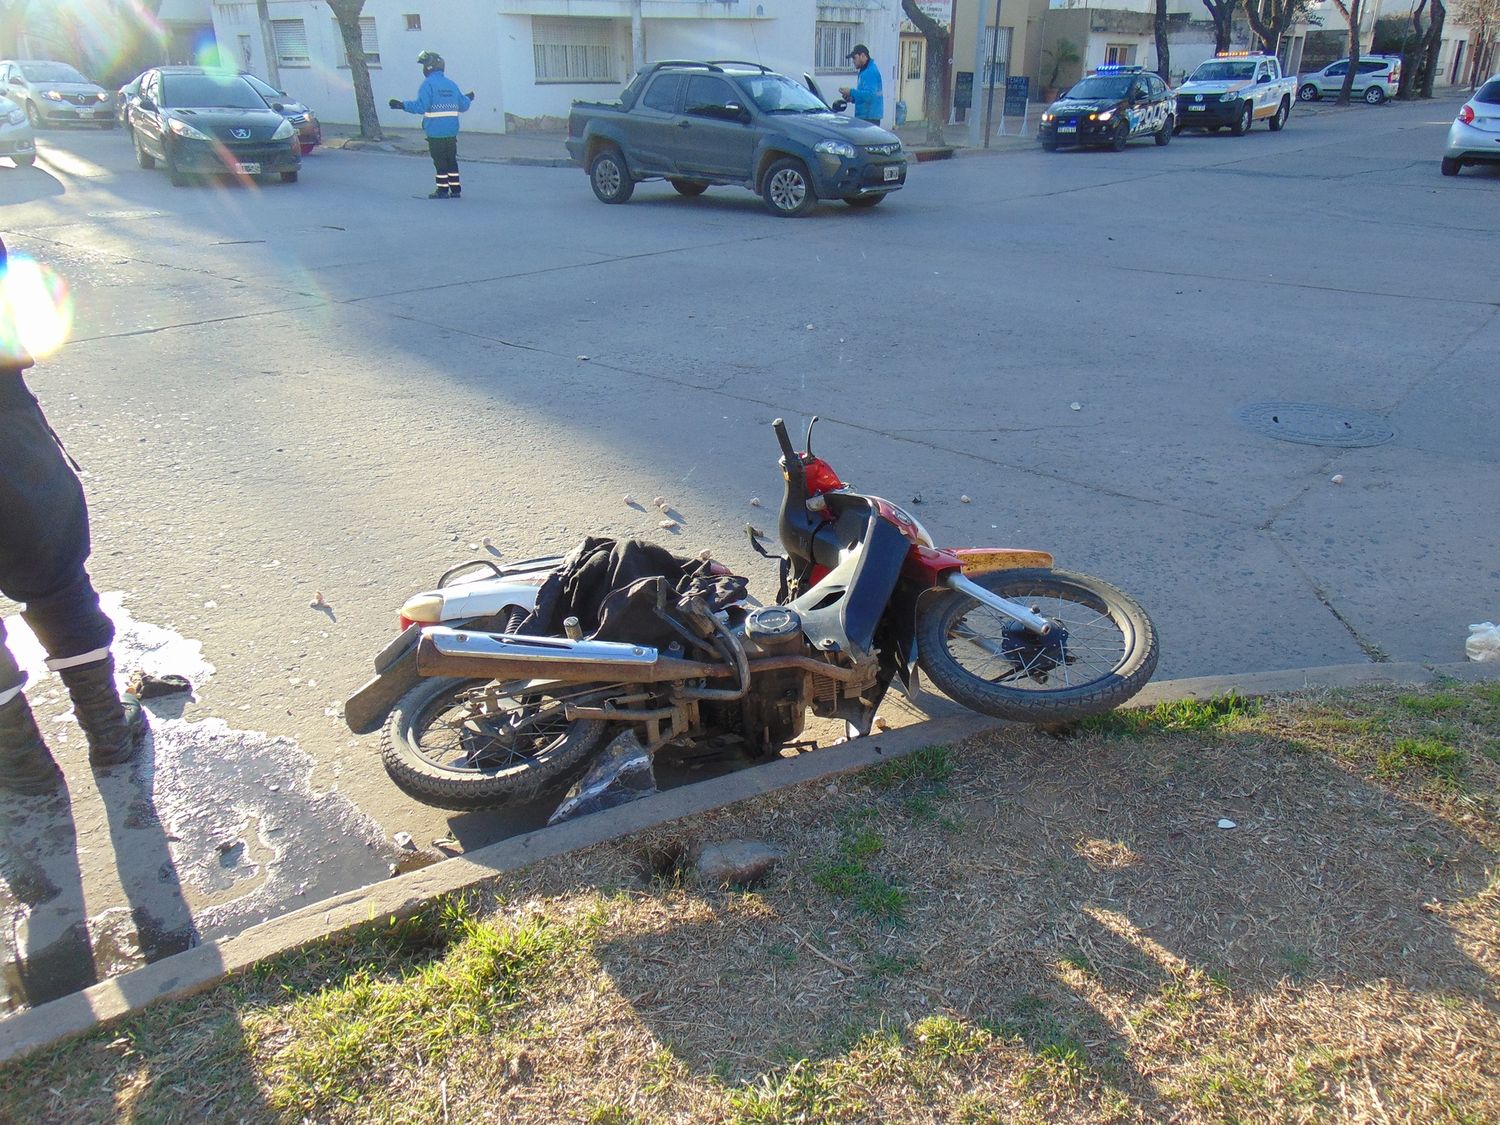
(1117, 68)
(1237, 55)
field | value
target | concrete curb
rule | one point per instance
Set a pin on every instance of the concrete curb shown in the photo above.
(199, 969)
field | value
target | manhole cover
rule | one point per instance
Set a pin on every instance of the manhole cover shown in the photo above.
(1307, 423)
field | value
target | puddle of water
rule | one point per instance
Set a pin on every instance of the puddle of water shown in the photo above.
(209, 831)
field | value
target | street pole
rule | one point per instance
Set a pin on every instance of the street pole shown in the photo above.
(989, 87)
(976, 126)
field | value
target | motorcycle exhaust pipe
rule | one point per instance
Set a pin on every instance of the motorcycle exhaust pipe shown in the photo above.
(505, 656)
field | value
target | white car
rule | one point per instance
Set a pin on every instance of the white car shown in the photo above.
(17, 140)
(1378, 78)
(1474, 137)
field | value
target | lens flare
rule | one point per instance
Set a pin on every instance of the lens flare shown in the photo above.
(36, 309)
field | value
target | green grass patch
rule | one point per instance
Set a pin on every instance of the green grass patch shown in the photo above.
(1437, 703)
(870, 892)
(921, 767)
(1222, 712)
(344, 1037)
(1432, 755)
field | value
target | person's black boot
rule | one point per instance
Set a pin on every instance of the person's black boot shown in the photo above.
(26, 766)
(440, 193)
(114, 725)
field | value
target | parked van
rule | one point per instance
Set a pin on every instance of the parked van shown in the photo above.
(1377, 78)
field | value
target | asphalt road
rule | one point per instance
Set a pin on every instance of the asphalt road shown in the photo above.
(338, 386)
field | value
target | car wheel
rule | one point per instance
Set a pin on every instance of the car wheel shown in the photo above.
(1121, 137)
(688, 187)
(143, 158)
(33, 115)
(1283, 111)
(786, 189)
(1451, 165)
(863, 202)
(1242, 126)
(27, 159)
(609, 177)
(176, 175)
(1165, 133)
(1374, 95)
(289, 177)
(1307, 93)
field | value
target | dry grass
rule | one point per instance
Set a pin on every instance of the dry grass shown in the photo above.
(1020, 929)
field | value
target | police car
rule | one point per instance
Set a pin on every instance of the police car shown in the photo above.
(1108, 108)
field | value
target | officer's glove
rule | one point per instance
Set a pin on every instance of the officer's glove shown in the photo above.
(470, 95)
(394, 103)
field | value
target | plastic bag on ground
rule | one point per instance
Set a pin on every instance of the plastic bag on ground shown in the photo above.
(621, 774)
(1483, 644)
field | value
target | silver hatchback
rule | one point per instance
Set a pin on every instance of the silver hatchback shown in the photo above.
(17, 140)
(1474, 137)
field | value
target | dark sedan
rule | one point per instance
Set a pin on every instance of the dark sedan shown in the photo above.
(196, 121)
(309, 130)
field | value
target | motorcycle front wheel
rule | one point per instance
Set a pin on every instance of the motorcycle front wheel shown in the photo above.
(478, 744)
(1100, 651)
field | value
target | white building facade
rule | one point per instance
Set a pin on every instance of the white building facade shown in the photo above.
(527, 60)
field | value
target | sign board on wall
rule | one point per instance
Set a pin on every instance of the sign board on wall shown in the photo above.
(963, 89)
(940, 10)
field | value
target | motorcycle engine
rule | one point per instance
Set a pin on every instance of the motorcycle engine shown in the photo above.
(774, 710)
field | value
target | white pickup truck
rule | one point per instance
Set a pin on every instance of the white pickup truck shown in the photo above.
(1236, 90)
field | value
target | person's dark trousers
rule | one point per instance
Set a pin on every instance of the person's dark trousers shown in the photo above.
(44, 538)
(444, 152)
(44, 542)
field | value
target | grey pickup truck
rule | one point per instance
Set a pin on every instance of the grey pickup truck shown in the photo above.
(700, 124)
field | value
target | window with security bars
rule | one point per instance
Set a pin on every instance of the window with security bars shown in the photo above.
(833, 44)
(574, 50)
(290, 38)
(367, 41)
(913, 59)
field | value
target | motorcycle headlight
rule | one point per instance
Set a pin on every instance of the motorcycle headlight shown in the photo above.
(1106, 115)
(1230, 97)
(53, 95)
(184, 130)
(283, 131)
(835, 148)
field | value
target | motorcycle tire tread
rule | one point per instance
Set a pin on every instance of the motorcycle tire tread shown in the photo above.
(1097, 697)
(446, 790)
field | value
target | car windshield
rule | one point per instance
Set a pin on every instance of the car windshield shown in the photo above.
(775, 93)
(1221, 70)
(1489, 93)
(1099, 89)
(51, 72)
(203, 91)
(261, 88)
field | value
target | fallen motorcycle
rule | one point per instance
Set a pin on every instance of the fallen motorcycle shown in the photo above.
(508, 680)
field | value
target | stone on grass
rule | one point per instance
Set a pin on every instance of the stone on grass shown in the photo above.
(735, 863)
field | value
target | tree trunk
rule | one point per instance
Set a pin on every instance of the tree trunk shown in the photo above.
(1222, 12)
(1411, 55)
(347, 13)
(1163, 48)
(1353, 16)
(935, 77)
(12, 15)
(1434, 47)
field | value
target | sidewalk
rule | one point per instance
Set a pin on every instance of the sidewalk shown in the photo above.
(546, 149)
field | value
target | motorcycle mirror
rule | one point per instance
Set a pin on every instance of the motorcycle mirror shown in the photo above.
(808, 443)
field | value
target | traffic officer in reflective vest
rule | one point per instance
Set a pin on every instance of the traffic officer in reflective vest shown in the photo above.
(439, 102)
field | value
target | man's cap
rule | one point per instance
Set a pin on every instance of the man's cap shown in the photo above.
(859, 49)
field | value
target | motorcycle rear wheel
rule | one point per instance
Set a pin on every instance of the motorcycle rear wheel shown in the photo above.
(436, 729)
(1106, 655)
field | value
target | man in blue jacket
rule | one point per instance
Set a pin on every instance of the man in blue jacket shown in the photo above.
(439, 101)
(868, 93)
